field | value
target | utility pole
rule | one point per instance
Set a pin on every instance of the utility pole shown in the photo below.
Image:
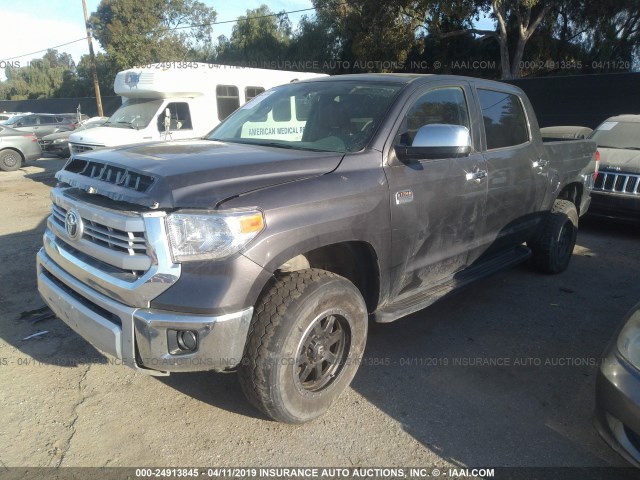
(93, 60)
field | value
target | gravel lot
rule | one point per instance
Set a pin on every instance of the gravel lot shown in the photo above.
(424, 398)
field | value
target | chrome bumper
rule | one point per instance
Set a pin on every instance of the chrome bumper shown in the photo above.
(139, 336)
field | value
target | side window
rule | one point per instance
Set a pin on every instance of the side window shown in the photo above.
(180, 116)
(47, 120)
(303, 108)
(228, 100)
(252, 92)
(29, 121)
(505, 124)
(443, 105)
(282, 110)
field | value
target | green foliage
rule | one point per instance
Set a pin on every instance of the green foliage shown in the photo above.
(354, 36)
(40, 78)
(138, 32)
(257, 38)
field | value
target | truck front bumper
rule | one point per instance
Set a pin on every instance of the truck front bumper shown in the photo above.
(143, 338)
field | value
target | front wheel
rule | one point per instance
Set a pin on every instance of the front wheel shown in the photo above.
(10, 160)
(304, 345)
(553, 246)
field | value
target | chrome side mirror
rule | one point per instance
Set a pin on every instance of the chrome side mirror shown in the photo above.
(437, 140)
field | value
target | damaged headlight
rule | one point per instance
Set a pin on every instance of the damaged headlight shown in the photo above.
(629, 340)
(198, 235)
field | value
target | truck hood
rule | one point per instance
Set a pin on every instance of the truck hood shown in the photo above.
(188, 174)
(621, 160)
(111, 136)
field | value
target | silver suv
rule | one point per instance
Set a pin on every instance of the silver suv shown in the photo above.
(42, 124)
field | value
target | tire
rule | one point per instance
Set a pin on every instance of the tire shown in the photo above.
(305, 341)
(10, 160)
(553, 246)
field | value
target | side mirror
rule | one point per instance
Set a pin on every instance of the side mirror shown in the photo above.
(19, 124)
(437, 140)
(164, 120)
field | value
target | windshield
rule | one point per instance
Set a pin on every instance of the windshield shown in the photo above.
(13, 120)
(135, 113)
(338, 116)
(625, 135)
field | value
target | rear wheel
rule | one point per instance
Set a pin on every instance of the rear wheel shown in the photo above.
(553, 246)
(10, 160)
(306, 338)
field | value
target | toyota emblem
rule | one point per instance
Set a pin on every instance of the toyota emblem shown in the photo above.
(73, 225)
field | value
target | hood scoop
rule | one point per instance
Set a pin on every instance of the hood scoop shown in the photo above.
(122, 177)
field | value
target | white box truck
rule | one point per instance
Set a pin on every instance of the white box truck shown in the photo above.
(165, 102)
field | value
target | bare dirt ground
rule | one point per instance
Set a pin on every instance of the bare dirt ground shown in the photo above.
(422, 399)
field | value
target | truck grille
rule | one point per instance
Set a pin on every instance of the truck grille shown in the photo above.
(112, 243)
(131, 243)
(78, 148)
(624, 183)
(110, 174)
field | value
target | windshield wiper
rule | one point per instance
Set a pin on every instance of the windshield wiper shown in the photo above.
(270, 144)
(128, 124)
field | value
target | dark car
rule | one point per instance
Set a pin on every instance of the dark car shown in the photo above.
(42, 124)
(616, 193)
(58, 143)
(16, 148)
(617, 417)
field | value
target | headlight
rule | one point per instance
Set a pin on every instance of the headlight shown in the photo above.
(629, 340)
(211, 235)
(60, 140)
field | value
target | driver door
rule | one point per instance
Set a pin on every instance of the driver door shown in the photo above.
(437, 204)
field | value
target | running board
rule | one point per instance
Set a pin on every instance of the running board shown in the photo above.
(425, 298)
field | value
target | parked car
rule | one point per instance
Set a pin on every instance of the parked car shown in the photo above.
(616, 193)
(269, 244)
(617, 417)
(8, 115)
(17, 148)
(58, 143)
(42, 124)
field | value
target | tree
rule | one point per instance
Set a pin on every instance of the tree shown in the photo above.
(135, 32)
(608, 29)
(40, 78)
(514, 18)
(379, 33)
(260, 37)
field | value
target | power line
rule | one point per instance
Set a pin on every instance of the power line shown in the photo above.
(44, 50)
(246, 19)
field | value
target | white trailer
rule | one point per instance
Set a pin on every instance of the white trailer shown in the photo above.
(177, 101)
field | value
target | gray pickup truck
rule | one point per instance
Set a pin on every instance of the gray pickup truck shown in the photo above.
(268, 245)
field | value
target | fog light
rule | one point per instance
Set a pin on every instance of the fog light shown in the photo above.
(187, 340)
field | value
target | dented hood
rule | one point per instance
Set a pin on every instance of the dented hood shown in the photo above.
(191, 174)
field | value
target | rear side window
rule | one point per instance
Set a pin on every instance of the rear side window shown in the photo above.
(47, 120)
(505, 124)
(252, 92)
(227, 99)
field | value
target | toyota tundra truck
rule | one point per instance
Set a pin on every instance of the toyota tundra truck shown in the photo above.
(267, 246)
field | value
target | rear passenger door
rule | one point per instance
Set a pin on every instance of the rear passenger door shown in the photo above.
(514, 182)
(437, 208)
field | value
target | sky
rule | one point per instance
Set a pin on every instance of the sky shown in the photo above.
(32, 25)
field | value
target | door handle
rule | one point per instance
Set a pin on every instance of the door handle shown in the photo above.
(476, 175)
(540, 163)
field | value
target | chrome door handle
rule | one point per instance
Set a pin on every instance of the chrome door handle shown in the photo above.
(540, 163)
(476, 175)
